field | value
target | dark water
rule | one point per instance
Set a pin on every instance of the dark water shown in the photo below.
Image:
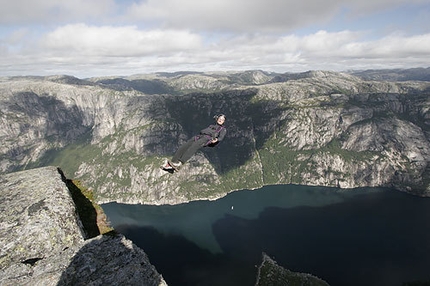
(357, 237)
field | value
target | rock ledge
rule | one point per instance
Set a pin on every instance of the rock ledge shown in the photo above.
(42, 239)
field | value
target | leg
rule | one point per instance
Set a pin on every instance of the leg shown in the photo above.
(181, 150)
(187, 150)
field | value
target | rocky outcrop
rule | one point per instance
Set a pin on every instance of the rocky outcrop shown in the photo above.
(271, 274)
(313, 128)
(42, 241)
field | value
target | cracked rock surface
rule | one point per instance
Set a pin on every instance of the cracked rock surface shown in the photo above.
(42, 243)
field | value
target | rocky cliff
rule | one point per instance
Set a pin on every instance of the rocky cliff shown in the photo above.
(313, 128)
(271, 274)
(43, 241)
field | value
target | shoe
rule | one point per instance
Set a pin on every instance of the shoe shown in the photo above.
(167, 166)
(175, 165)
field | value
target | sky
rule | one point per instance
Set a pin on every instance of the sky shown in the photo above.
(90, 38)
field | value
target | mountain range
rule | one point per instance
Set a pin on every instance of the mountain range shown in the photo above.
(346, 130)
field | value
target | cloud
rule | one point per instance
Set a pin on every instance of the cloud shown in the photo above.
(85, 51)
(43, 12)
(118, 41)
(238, 16)
(251, 16)
(120, 37)
(227, 15)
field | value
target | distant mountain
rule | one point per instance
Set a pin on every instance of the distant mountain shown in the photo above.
(315, 128)
(421, 74)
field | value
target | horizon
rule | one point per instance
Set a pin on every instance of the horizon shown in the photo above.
(114, 37)
(209, 72)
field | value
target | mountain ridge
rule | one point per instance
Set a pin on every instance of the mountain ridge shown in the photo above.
(316, 128)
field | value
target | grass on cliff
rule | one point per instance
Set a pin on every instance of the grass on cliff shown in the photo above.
(92, 216)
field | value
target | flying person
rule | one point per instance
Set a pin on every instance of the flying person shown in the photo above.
(208, 137)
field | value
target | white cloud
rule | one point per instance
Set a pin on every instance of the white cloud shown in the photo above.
(126, 50)
(118, 41)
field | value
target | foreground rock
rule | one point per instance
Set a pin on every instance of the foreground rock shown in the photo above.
(42, 241)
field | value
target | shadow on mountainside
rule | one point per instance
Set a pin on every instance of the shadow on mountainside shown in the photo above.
(48, 116)
(145, 86)
(43, 118)
(249, 124)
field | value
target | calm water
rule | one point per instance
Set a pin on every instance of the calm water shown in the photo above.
(358, 237)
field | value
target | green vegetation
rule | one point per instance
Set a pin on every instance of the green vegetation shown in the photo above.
(334, 147)
(244, 175)
(91, 214)
(69, 157)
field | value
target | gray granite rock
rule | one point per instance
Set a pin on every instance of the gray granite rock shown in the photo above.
(42, 242)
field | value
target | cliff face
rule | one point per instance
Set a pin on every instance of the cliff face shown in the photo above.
(42, 239)
(315, 128)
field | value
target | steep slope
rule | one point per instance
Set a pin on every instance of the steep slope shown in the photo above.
(316, 128)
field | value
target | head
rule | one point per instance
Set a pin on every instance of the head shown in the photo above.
(220, 119)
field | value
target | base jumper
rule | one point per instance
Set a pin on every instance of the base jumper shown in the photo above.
(208, 137)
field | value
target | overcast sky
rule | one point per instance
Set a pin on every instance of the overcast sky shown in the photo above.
(86, 38)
